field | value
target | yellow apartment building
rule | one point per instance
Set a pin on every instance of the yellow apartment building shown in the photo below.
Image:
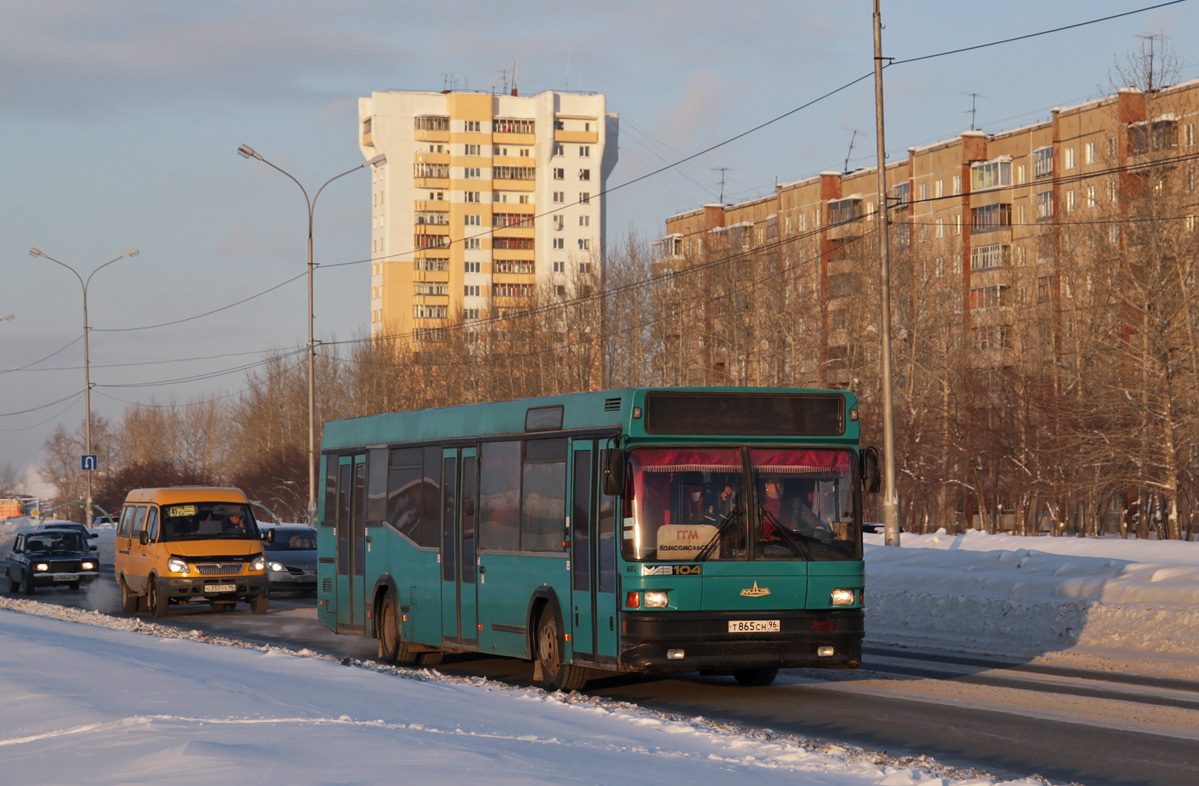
(486, 203)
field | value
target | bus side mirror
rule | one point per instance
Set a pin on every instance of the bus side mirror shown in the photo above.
(143, 537)
(613, 461)
(871, 480)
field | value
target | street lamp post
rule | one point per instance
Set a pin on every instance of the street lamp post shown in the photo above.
(245, 151)
(87, 374)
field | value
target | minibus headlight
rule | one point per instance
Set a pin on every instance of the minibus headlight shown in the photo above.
(656, 599)
(843, 597)
(259, 563)
(176, 565)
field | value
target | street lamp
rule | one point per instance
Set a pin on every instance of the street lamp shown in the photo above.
(245, 151)
(87, 374)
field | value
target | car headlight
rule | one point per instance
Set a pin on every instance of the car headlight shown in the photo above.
(176, 565)
(656, 599)
(844, 597)
(277, 567)
(41, 567)
(259, 563)
(88, 565)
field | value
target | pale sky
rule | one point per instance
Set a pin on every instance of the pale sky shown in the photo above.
(120, 123)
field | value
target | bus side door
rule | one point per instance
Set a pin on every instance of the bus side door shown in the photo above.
(351, 543)
(593, 556)
(458, 594)
(582, 526)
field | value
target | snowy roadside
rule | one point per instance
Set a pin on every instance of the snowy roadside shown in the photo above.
(1106, 604)
(75, 695)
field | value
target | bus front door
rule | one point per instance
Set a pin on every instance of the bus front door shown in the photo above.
(593, 557)
(351, 543)
(459, 619)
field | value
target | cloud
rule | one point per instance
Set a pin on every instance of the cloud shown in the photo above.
(699, 107)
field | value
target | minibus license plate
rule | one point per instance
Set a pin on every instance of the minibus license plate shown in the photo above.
(220, 588)
(753, 626)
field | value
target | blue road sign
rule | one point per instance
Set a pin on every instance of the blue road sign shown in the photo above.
(90, 462)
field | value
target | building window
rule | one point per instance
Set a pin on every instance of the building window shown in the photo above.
(1044, 289)
(1153, 135)
(842, 211)
(1113, 235)
(988, 297)
(991, 174)
(901, 195)
(430, 312)
(432, 124)
(923, 192)
(988, 217)
(584, 221)
(508, 125)
(473, 267)
(584, 174)
(1070, 201)
(472, 244)
(1088, 153)
(431, 170)
(559, 197)
(957, 184)
(584, 267)
(1020, 174)
(559, 173)
(431, 263)
(1044, 205)
(513, 266)
(585, 197)
(1042, 160)
(559, 267)
(430, 288)
(472, 126)
(584, 244)
(473, 220)
(585, 151)
(1092, 199)
(471, 173)
(514, 173)
(471, 290)
(471, 196)
(559, 149)
(939, 189)
(1069, 158)
(990, 257)
(559, 243)
(474, 150)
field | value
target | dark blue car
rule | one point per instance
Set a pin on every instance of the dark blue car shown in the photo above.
(50, 558)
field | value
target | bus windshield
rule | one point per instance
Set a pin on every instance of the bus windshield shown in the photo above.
(696, 504)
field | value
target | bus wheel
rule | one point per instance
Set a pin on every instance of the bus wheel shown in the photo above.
(155, 600)
(258, 605)
(555, 673)
(756, 677)
(391, 649)
(429, 659)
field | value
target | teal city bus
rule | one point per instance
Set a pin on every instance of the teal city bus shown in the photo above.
(641, 530)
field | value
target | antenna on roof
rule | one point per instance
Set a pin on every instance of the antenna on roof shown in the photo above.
(514, 62)
(849, 152)
(721, 170)
(973, 106)
(1152, 39)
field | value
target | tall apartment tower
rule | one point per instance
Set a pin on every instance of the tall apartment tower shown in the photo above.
(484, 202)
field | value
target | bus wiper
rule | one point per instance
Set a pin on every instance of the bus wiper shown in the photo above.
(785, 535)
(709, 547)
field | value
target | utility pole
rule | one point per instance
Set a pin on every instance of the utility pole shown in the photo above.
(890, 497)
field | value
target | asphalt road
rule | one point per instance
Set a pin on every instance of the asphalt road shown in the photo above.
(1009, 719)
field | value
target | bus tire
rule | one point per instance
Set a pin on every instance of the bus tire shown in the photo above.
(259, 603)
(391, 648)
(430, 659)
(155, 600)
(551, 655)
(756, 678)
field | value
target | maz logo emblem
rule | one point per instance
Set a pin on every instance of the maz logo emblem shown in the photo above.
(755, 592)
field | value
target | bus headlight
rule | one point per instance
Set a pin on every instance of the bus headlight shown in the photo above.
(656, 599)
(844, 597)
(176, 565)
